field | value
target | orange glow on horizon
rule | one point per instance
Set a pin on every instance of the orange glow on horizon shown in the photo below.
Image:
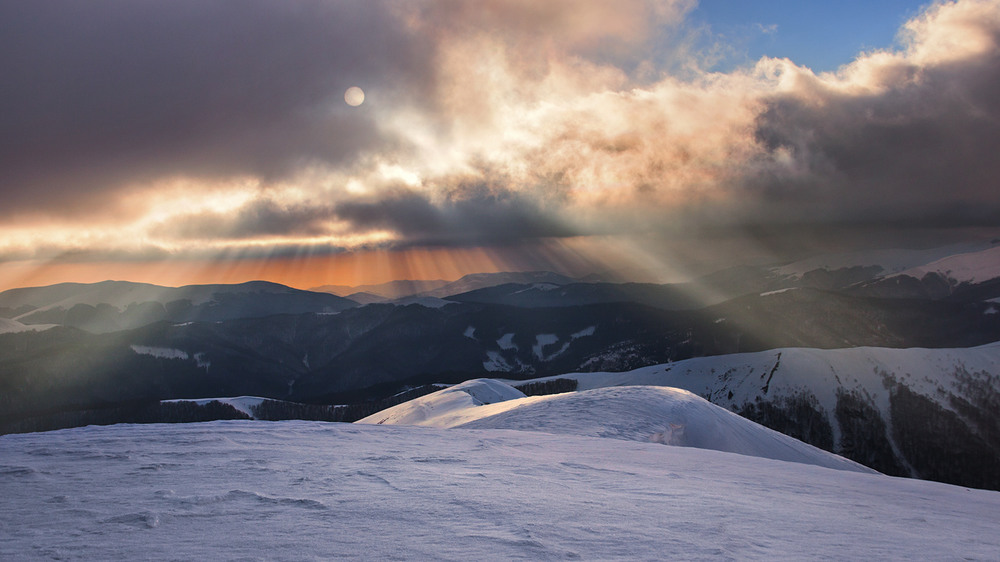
(310, 270)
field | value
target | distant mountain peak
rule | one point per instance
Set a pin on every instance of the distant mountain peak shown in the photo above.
(109, 306)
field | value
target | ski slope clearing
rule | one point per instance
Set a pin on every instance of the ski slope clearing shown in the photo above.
(637, 413)
(308, 490)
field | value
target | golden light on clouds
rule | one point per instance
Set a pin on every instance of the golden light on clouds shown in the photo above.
(308, 270)
(514, 123)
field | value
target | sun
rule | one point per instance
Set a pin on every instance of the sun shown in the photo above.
(354, 96)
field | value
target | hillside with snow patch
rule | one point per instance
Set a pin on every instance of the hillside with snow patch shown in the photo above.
(889, 261)
(10, 326)
(243, 404)
(971, 267)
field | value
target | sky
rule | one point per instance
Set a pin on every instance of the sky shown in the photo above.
(819, 35)
(193, 142)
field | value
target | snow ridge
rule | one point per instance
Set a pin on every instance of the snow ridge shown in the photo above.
(638, 413)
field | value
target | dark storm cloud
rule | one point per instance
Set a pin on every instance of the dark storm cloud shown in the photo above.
(923, 152)
(510, 119)
(469, 215)
(262, 217)
(102, 93)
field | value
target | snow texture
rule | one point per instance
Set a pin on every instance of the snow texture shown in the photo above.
(789, 372)
(636, 413)
(202, 361)
(544, 340)
(777, 292)
(507, 342)
(541, 341)
(890, 260)
(11, 326)
(496, 363)
(244, 404)
(972, 267)
(448, 407)
(160, 352)
(248, 490)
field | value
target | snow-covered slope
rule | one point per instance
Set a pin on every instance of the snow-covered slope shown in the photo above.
(929, 413)
(314, 491)
(890, 261)
(743, 378)
(971, 267)
(10, 326)
(637, 413)
(244, 404)
(447, 407)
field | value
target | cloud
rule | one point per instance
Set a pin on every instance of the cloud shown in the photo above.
(904, 138)
(260, 217)
(105, 95)
(469, 215)
(485, 123)
(897, 137)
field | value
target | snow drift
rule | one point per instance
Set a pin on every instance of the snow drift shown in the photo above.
(637, 413)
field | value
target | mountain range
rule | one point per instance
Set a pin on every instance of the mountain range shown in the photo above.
(398, 290)
(74, 347)
(111, 306)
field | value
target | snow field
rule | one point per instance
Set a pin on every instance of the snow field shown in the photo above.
(309, 490)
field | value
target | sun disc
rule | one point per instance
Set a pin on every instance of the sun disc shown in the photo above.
(354, 96)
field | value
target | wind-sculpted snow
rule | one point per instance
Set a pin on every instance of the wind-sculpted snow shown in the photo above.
(446, 407)
(307, 490)
(656, 414)
(638, 413)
